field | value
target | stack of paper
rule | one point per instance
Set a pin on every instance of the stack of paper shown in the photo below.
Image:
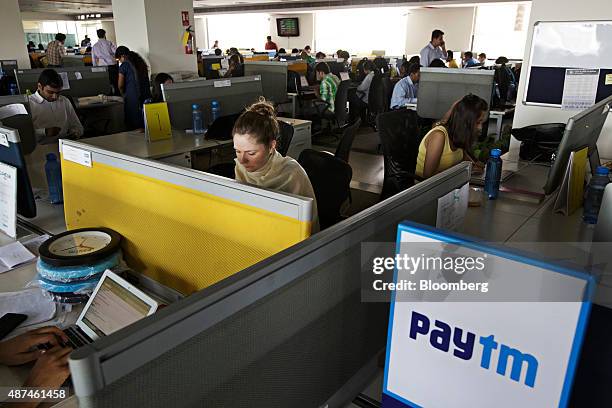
(14, 254)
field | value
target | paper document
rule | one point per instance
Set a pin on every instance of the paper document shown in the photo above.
(32, 302)
(608, 79)
(8, 200)
(452, 208)
(15, 254)
(65, 80)
(12, 110)
(580, 88)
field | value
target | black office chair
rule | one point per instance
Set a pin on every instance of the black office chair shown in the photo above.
(339, 117)
(223, 169)
(284, 137)
(331, 179)
(379, 97)
(343, 150)
(221, 128)
(400, 137)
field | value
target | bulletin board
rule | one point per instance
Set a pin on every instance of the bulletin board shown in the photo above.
(558, 46)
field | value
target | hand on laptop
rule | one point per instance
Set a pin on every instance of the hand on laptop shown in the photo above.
(51, 368)
(18, 350)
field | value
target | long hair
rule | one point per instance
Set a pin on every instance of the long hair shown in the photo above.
(141, 67)
(460, 121)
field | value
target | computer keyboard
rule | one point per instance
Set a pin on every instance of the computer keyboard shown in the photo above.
(75, 339)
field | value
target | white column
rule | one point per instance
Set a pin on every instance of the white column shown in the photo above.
(154, 29)
(13, 44)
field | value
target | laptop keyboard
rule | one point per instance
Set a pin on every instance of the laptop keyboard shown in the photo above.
(75, 339)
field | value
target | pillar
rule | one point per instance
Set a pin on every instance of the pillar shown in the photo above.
(154, 29)
(13, 44)
(109, 27)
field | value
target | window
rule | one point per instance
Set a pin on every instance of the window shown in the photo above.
(501, 29)
(358, 31)
(238, 30)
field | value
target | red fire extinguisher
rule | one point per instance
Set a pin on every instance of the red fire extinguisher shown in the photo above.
(189, 41)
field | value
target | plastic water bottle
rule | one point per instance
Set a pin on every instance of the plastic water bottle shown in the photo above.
(493, 174)
(594, 194)
(198, 119)
(215, 110)
(54, 179)
(13, 89)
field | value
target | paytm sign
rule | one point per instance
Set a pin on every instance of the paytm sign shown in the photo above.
(489, 353)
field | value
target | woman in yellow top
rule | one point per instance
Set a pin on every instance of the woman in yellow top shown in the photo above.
(450, 142)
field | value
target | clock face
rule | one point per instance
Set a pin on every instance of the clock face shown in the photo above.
(80, 243)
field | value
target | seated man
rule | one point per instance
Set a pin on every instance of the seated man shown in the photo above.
(329, 84)
(405, 91)
(469, 60)
(52, 114)
(358, 101)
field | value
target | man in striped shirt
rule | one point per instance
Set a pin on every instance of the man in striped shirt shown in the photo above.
(329, 84)
(55, 51)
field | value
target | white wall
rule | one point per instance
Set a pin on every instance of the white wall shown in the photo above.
(13, 44)
(109, 27)
(201, 33)
(456, 22)
(154, 29)
(306, 32)
(551, 10)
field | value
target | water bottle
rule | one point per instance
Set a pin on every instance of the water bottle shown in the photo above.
(594, 194)
(215, 110)
(198, 119)
(54, 179)
(493, 174)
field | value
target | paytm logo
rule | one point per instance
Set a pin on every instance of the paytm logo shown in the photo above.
(441, 336)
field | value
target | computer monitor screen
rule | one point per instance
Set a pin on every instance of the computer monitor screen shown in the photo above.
(13, 156)
(288, 27)
(20, 121)
(439, 88)
(582, 131)
(9, 67)
(113, 308)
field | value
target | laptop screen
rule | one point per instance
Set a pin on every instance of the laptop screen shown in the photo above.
(113, 308)
(344, 76)
(303, 81)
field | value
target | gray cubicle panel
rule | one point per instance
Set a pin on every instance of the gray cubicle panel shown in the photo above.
(439, 88)
(83, 81)
(23, 123)
(273, 78)
(290, 331)
(233, 95)
(8, 66)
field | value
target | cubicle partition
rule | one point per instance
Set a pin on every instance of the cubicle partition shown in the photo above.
(233, 95)
(439, 88)
(82, 81)
(290, 331)
(273, 78)
(184, 228)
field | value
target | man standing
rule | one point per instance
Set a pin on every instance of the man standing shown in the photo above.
(103, 55)
(86, 41)
(270, 45)
(436, 49)
(55, 51)
(53, 116)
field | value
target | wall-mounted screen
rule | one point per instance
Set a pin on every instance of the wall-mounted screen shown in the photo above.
(288, 27)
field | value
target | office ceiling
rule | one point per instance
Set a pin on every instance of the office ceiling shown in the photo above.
(74, 7)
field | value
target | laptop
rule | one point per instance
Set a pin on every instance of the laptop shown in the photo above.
(304, 82)
(113, 305)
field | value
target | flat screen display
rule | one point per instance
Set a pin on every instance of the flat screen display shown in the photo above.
(288, 27)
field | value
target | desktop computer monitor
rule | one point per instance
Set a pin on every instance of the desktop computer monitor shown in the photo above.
(582, 131)
(9, 67)
(21, 121)
(13, 156)
(439, 88)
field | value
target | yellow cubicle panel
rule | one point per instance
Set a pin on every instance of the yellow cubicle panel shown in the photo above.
(179, 235)
(258, 58)
(299, 67)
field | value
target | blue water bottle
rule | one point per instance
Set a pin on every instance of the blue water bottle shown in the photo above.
(594, 194)
(215, 110)
(198, 119)
(54, 179)
(13, 89)
(493, 174)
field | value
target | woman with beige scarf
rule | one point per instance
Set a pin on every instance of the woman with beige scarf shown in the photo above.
(258, 162)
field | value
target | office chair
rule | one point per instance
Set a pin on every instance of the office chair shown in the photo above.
(221, 128)
(340, 115)
(331, 179)
(603, 228)
(400, 137)
(379, 97)
(284, 137)
(343, 150)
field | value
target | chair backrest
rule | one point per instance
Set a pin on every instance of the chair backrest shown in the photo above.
(331, 179)
(603, 229)
(340, 102)
(348, 135)
(294, 84)
(400, 138)
(387, 92)
(284, 137)
(376, 96)
(221, 128)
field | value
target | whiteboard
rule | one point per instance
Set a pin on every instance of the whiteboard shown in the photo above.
(580, 44)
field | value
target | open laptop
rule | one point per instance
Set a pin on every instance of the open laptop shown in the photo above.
(113, 305)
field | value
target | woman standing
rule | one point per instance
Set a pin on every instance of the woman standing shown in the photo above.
(134, 86)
